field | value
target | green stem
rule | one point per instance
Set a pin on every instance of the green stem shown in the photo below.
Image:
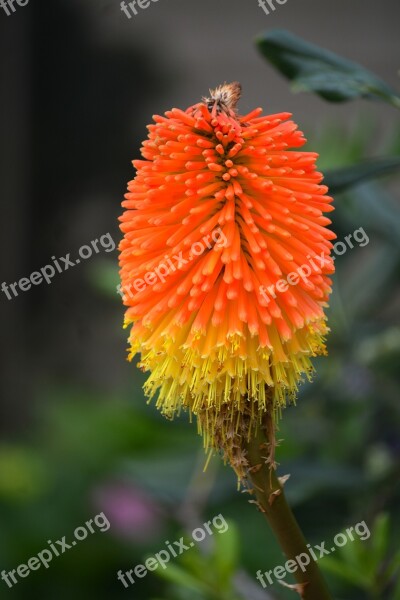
(271, 499)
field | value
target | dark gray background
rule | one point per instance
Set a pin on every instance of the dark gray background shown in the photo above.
(79, 83)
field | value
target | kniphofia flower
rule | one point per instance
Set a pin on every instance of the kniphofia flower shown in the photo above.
(221, 209)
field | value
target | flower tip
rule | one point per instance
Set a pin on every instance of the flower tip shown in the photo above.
(224, 97)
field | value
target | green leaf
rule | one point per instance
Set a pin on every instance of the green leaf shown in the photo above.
(357, 556)
(315, 69)
(373, 206)
(178, 576)
(339, 180)
(380, 538)
(103, 275)
(346, 572)
(226, 553)
(371, 280)
(393, 569)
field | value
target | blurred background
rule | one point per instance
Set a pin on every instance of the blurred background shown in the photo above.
(79, 83)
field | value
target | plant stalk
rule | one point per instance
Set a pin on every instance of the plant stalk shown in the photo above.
(271, 500)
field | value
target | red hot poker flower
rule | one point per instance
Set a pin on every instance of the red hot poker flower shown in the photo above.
(225, 265)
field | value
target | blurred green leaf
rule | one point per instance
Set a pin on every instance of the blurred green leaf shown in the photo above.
(360, 138)
(309, 478)
(370, 281)
(178, 576)
(342, 179)
(373, 206)
(380, 538)
(357, 556)
(393, 568)
(347, 572)
(22, 474)
(103, 275)
(315, 69)
(207, 574)
(361, 562)
(226, 553)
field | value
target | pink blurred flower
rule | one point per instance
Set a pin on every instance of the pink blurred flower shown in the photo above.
(133, 514)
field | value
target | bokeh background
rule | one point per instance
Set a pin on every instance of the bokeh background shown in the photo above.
(79, 82)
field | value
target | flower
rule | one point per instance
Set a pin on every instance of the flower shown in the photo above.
(133, 513)
(217, 332)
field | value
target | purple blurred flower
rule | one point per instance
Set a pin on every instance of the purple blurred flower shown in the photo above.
(132, 513)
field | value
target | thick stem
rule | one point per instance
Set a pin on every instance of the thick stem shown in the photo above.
(272, 502)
